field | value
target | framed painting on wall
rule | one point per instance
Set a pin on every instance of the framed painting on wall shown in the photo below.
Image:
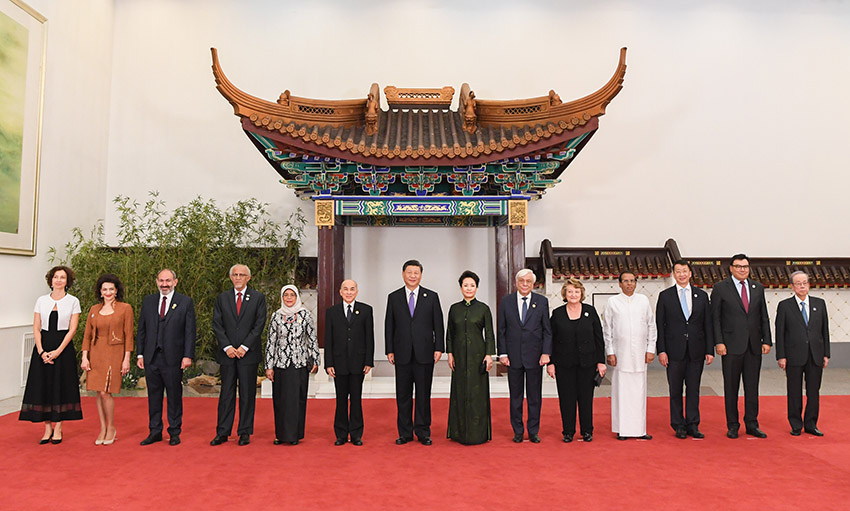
(23, 37)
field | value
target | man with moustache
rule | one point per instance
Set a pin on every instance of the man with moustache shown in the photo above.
(165, 344)
(239, 316)
(349, 356)
(415, 341)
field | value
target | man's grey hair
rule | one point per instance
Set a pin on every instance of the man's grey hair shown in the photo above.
(523, 272)
(238, 264)
(798, 272)
(173, 273)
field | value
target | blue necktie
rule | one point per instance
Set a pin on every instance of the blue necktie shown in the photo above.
(805, 314)
(684, 300)
(524, 308)
(411, 304)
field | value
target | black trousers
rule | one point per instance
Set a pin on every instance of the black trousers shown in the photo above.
(289, 399)
(160, 378)
(794, 384)
(748, 366)
(532, 380)
(685, 372)
(246, 375)
(575, 385)
(349, 388)
(407, 378)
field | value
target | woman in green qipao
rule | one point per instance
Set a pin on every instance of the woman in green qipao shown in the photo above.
(470, 345)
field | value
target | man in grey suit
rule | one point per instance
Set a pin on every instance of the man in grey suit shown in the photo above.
(239, 316)
(525, 344)
(802, 349)
(741, 337)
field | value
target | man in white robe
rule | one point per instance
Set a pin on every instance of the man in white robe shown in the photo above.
(628, 327)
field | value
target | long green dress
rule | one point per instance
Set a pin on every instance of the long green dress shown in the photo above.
(469, 336)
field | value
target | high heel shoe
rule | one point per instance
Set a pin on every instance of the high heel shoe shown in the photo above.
(56, 441)
(111, 440)
(44, 441)
(98, 442)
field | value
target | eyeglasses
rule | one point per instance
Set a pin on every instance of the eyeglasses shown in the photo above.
(741, 266)
(241, 275)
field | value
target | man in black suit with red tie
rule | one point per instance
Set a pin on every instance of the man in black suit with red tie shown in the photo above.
(414, 337)
(524, 337)
(349, 356)
(685, 343)
(239, 316)
(802, 349)
(741, 337)
(165, 344)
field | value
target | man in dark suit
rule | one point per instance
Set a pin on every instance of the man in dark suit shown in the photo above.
(239, 316)
(741, 337)
(414, 337)
(802, 348)
(525, 344)
(685, 341)
(165, 344)
(349, 356)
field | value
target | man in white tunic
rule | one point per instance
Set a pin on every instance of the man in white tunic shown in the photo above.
(629, 330)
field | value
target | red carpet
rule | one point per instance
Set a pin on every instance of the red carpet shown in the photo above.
(781, 472)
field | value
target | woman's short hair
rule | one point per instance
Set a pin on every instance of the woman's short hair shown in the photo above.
(68, 272)
(112, 279)
(468, 274)
(576, 283)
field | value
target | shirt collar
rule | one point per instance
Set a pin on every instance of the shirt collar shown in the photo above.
(806, 301)
(680, 288)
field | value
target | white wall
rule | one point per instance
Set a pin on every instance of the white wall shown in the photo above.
(75, 136)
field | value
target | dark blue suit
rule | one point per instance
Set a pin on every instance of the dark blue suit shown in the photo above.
(163, 343)
(524, 344)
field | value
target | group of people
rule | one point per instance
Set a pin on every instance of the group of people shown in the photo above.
(574, 346)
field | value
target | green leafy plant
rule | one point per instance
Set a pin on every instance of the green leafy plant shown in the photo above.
(200, 241)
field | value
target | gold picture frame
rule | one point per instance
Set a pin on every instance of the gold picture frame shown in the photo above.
(22, 68)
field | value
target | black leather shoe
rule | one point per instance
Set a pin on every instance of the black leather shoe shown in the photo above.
(645, 437)
(277, 442)
(425, 441)
(402, 440)
(357, 442)
(518, 438)
(294, 442)
(244, 439)
(681, 433)
(814, 431)
(696, 433)
(339, 441)
(622, 437)
(587, 437)
(174, 440)
(796, 432)
(568, 437)
(151, 439)
(534, 438)
(44, 441)
(218, 440)
(732, 433)
(756, 432)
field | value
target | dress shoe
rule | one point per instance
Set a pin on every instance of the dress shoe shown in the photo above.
(98, 442)
(756, 432)
(587, 437)
(534, 438)
(403, 440)
(680, 433)
(218, 440)
(644, 437)
(357, 442)
(732, 433)
(619, 437)
(518, 438)
(174, 440)
(294, 442)
(277, 442)
(568, 437)
(796, 432)
(110, 441)
(44, 441)
(339, 441)
(244, 439)
(425, 440)
(696, 433)
(814, 431)
(56, 441)
(151, 439)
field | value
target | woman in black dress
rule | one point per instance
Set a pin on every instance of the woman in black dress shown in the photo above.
(470, 345)
(578, 353)
(52, 394)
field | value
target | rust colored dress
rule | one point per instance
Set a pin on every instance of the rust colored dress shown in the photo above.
(107, 338)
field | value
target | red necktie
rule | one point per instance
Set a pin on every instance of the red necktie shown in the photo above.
(744, 297)
(238, 302)
(162, 308)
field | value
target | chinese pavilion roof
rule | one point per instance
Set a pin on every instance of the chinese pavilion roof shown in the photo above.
(419, 146)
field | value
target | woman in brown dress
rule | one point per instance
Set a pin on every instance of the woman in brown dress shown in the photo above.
(107, 345)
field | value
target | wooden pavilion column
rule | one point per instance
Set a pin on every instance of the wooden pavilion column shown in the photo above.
(331, 273)
(510, 257)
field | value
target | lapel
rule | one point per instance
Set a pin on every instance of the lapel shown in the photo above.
(423, 295)
(531, 309)
(678, 301)
(175, 304)
(231, 301)
(734, 282)
(800, 312)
